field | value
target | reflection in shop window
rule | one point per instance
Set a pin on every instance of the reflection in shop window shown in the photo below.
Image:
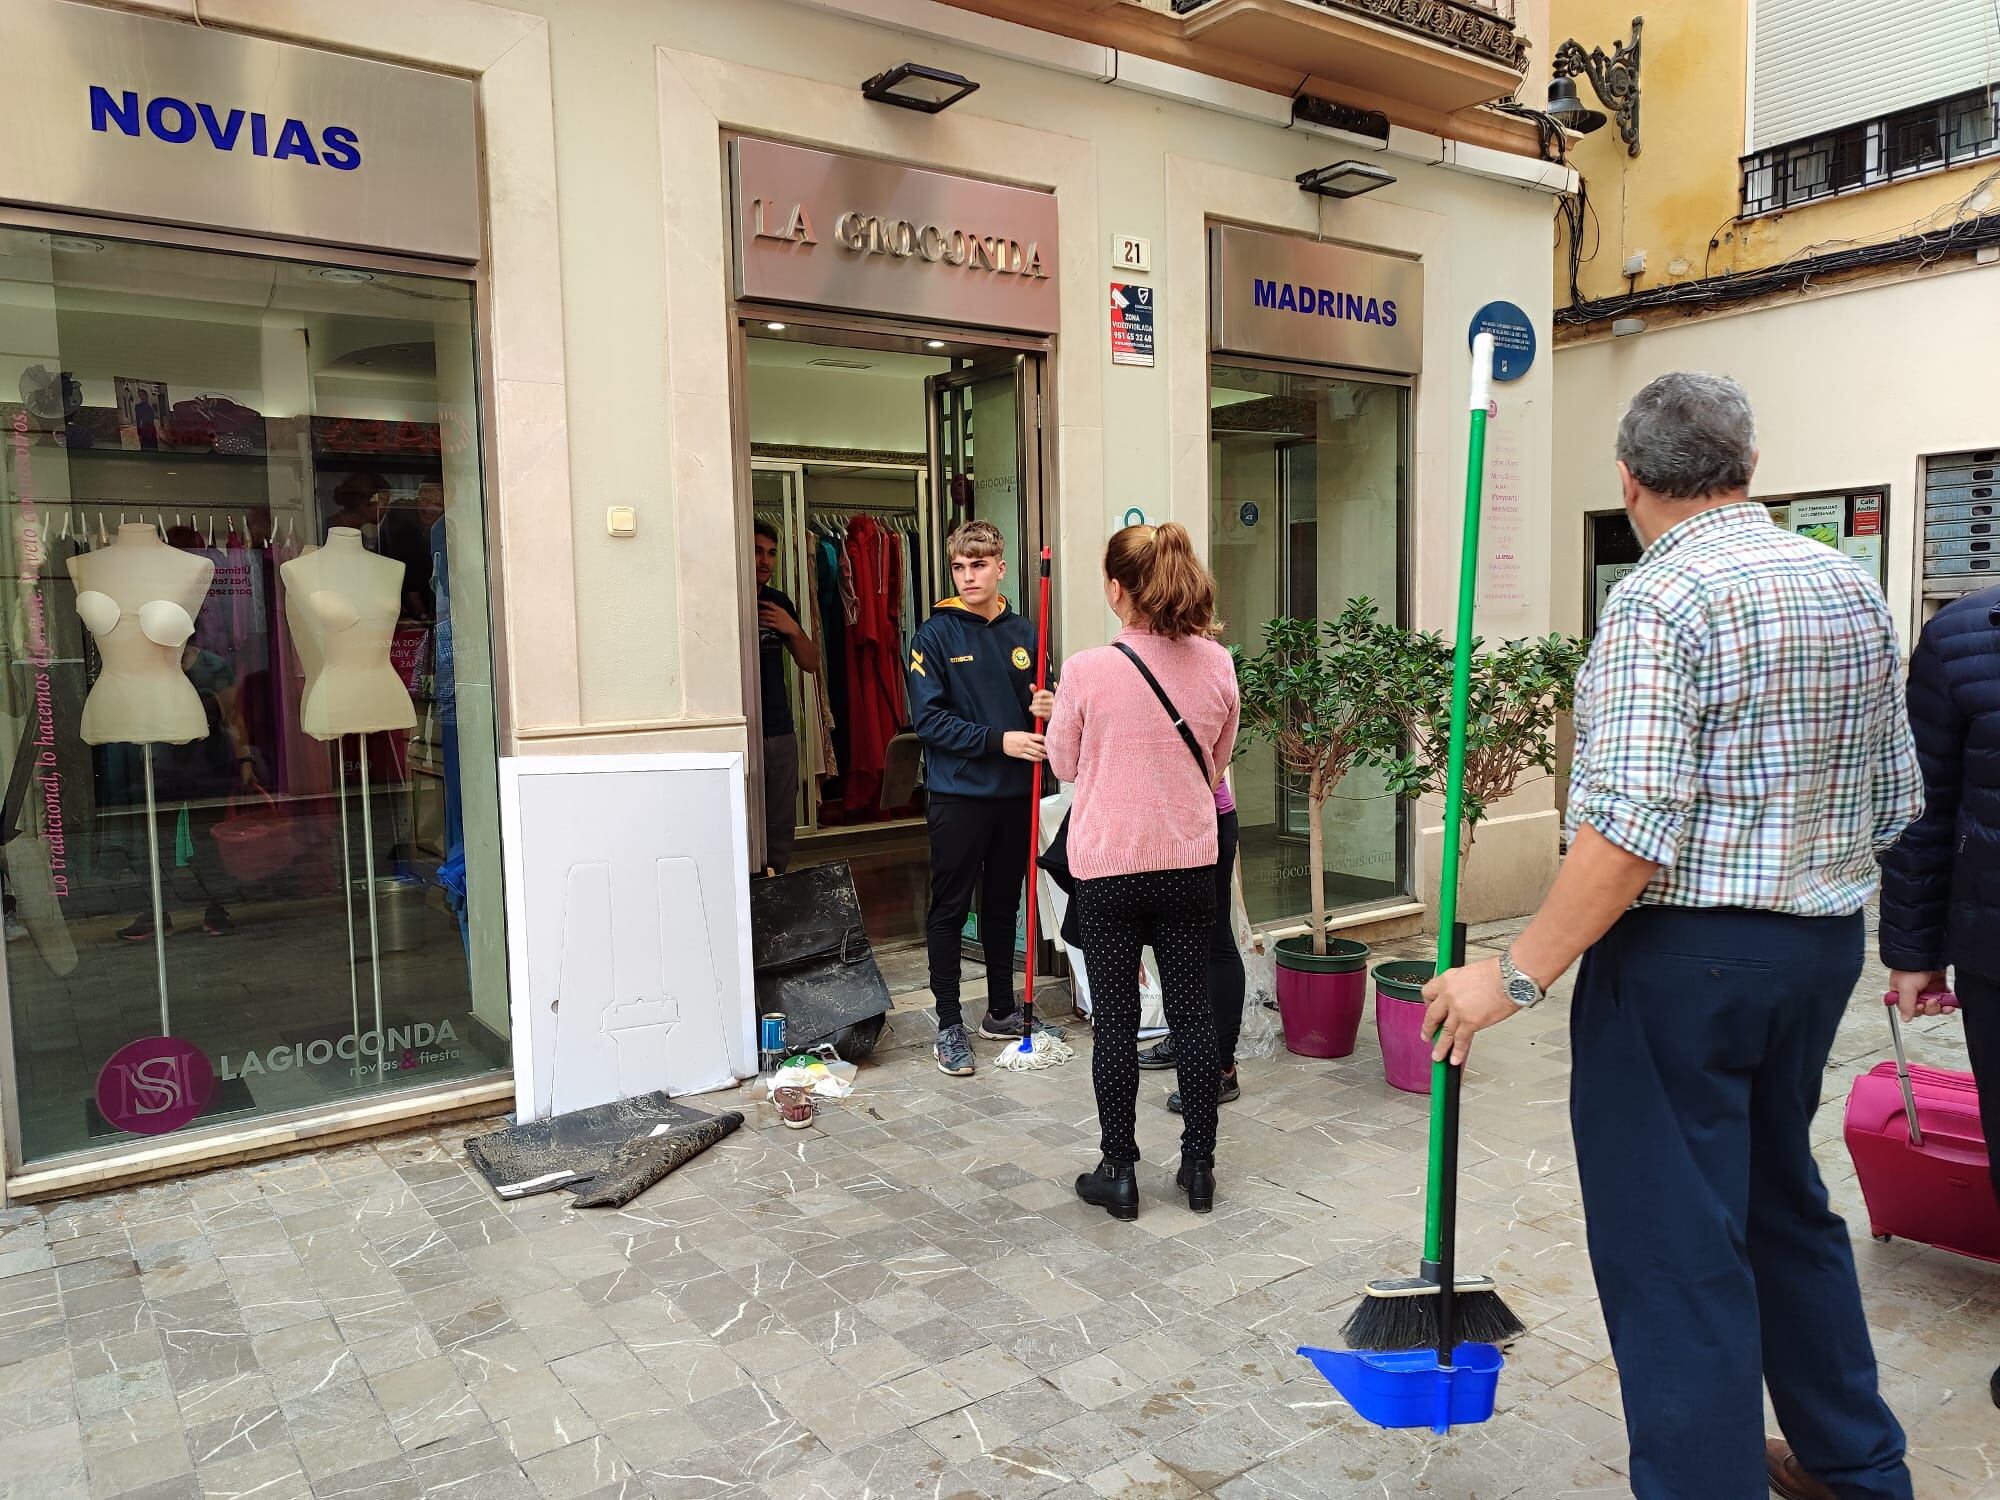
(251, 819)
(1308, 477)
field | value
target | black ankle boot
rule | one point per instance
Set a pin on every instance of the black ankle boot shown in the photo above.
(1113, 1187)
(1196, 1178)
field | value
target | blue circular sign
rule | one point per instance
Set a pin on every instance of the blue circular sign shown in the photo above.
(1135, 517)
(1513, 338)
(1248, 514)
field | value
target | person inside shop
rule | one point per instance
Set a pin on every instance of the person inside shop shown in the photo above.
(195, 783)
(779, 635)
(405, 535)
(359, 501)
(973, 704)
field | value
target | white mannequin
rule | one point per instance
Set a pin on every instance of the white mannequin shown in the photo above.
(342, 602)
(139, 598)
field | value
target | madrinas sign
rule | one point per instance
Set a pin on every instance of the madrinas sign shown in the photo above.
(138, 118)
(824, 230)
(1285, 297)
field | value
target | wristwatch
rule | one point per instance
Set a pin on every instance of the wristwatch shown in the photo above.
(1521, 988)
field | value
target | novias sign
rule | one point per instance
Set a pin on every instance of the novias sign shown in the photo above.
(903, 239)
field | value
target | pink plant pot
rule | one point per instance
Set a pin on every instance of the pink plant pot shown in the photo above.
(1321, 996)
(1399, 1020)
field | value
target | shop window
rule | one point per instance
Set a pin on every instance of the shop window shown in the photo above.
(1308, 484)
(244, 525)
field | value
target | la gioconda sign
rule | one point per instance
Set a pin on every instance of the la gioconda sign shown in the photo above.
(137, 118)
(821, 229)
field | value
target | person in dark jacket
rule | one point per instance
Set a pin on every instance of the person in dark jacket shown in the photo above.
(973, 704)
(1941, 883)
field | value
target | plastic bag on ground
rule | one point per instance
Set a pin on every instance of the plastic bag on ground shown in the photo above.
(1052, 906)
(1259, 1038)
(816, 1075)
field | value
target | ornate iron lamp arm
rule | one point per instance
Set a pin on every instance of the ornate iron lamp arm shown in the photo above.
(1614, 79)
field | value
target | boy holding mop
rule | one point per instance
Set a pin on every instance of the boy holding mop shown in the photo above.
(973, 704)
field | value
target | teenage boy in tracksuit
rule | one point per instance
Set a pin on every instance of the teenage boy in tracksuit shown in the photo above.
(972, 701)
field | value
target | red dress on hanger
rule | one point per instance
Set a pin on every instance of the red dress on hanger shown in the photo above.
(876, 707)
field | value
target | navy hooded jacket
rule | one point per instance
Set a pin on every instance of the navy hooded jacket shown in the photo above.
(971, 681)
(1941, 882)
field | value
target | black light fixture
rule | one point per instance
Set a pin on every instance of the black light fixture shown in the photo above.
(1568, 110)
(914, 86)
(1614, 79)
(1344, 179)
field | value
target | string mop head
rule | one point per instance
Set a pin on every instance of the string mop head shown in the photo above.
(1040, 1048)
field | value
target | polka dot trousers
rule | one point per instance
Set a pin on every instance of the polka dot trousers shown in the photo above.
(1171, 912)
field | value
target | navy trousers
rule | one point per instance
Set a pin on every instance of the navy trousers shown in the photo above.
(1699, 1044)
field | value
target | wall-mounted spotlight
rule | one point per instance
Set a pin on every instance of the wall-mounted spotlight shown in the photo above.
(1344, 179)
(913, 86)
(1614, 79)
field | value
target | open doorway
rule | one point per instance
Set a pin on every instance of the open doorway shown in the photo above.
(866, 451)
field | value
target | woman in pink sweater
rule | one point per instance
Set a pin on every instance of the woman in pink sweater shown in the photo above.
(1142, 839)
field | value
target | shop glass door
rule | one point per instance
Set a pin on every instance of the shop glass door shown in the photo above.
(986, 463)
(1308, 487)
(211, 465)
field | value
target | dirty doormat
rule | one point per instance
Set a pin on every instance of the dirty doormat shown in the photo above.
(605, 1155)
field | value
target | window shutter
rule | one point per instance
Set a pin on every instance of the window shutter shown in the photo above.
(1817, 65)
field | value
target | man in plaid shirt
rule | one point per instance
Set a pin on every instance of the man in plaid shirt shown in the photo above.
(1742, 756)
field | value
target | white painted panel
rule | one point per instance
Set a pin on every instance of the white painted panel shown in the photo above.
(628, 920)
(1819, 65)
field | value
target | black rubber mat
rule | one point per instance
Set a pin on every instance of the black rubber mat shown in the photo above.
(570, 1151)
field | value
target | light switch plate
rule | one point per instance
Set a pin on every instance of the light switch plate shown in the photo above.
(622, 520)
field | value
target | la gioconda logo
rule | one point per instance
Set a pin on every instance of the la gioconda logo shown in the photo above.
(155, 1085)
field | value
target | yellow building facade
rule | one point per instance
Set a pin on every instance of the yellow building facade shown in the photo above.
(1811, 209)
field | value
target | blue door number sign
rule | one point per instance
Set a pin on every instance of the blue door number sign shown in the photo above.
(1513, 338)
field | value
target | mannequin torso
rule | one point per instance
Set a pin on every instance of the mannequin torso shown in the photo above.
(139, 598)
(342, 603)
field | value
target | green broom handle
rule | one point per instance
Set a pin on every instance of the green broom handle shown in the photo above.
(1454, 792)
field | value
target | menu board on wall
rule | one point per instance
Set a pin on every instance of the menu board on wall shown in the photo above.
(1822, 520)
(1851, 521)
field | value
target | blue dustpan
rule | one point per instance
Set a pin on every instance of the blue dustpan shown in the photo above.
(1410, 1389)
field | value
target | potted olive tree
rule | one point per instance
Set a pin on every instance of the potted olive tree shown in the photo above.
(1518, 690)
(1314, 694)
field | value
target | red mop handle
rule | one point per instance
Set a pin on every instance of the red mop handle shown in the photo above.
(1035, 803)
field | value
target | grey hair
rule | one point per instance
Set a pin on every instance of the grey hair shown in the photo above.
(1688, 435)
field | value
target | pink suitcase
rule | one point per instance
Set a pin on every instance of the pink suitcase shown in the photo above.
(1920, 1154)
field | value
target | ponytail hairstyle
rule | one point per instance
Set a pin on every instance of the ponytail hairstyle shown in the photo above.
(1166, 582)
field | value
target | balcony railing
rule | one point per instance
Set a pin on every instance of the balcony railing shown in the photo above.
(1930, 138)
(1482, 27)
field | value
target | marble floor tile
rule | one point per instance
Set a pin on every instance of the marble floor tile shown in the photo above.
(907, 1300)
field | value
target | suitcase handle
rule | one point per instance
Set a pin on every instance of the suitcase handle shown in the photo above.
(1950, 1003)
(1947, 999)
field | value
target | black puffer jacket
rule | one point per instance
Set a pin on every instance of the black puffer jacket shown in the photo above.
(1941, 883)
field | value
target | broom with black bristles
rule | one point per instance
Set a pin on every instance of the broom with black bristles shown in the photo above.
(1414, 1312)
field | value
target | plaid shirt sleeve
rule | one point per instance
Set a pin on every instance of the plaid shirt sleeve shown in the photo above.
(1899, 777)
(1643, 707)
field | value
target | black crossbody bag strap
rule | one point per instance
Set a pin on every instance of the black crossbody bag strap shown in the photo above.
(1187, 734)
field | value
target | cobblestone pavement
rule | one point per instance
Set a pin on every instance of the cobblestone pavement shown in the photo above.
(905, 1301)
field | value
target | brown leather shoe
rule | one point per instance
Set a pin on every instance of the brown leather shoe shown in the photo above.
(1788, 1476)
